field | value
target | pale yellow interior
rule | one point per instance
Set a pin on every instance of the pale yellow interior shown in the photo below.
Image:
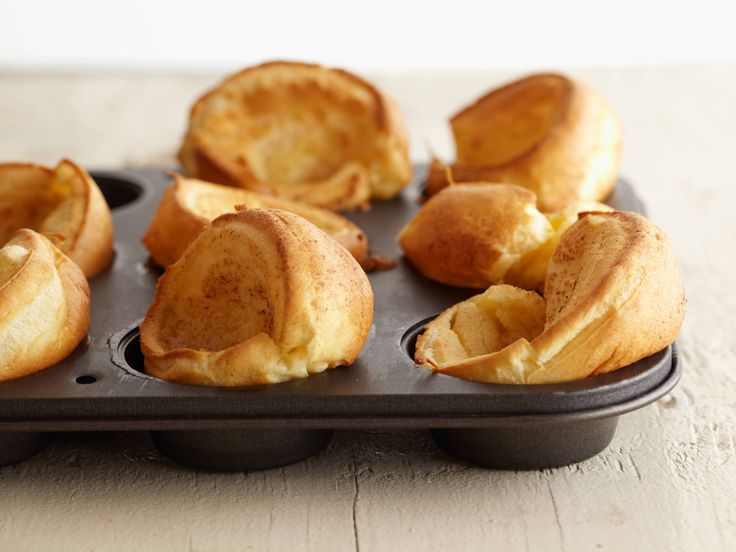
(483, 324)
(209, 201)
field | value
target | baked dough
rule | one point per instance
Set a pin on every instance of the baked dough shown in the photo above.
(189, 205)
(546, 132)
(475, 235)
(613, 296)
(260, 296)
(64, 203)
(44, 305)
(305, 132)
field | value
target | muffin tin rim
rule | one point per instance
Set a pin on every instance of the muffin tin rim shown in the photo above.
(150, 180)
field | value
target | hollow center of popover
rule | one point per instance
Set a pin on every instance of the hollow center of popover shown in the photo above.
(508, 122)
(481, 325)
(27, 197)
(299, 131)
(52, 202)
(222, 299)
(489, 322)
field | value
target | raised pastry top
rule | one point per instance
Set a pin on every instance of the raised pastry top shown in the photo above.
(546, 132)
(44, 301)
(260, 296)
(65, 203)
(613, 296)
(306, 132)
(189, 205)
(475, 235)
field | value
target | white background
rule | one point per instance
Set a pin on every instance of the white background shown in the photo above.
(374, 35)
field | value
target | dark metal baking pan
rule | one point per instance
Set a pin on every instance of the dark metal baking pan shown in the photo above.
(101, 386)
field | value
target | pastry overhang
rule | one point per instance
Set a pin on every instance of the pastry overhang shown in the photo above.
(260, 296)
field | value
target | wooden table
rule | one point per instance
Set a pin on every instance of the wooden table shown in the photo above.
(667, 482)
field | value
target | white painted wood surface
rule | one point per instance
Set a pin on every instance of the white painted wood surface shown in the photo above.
(667, 482)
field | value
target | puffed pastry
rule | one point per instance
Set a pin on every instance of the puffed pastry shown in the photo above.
(613, 296)
(304, 132)
(476, 235)
(551, 134)
(44, 305)
(260, 296)
(65, 204)
(189, 205)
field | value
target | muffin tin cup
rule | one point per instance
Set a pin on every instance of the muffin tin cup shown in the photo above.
(241, 449)
(528, 446)
(548, 441)
(102, 385)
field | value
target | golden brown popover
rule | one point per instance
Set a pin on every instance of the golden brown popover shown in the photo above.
(548, 133)
(65, 203)
(189, 205)
(260, 296)
(474, 235)
(44, 305)
(613, 296)
(305, 132)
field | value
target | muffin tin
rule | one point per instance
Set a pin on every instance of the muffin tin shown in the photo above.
(101, 386)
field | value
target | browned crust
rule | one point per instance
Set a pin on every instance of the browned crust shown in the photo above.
(209, 167)
(613, 296)
(166, 242)
(387, 118)
(77, 293)
(458, 236)
(13, 222)
(643, 271)
(27, 165)
(348, 189)
(93, 247)
(528, 167)
(90, 244)
(383, 116)
(174, 226)
(377, 263)
(44, 258)
(565, 102)
(315, 276)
